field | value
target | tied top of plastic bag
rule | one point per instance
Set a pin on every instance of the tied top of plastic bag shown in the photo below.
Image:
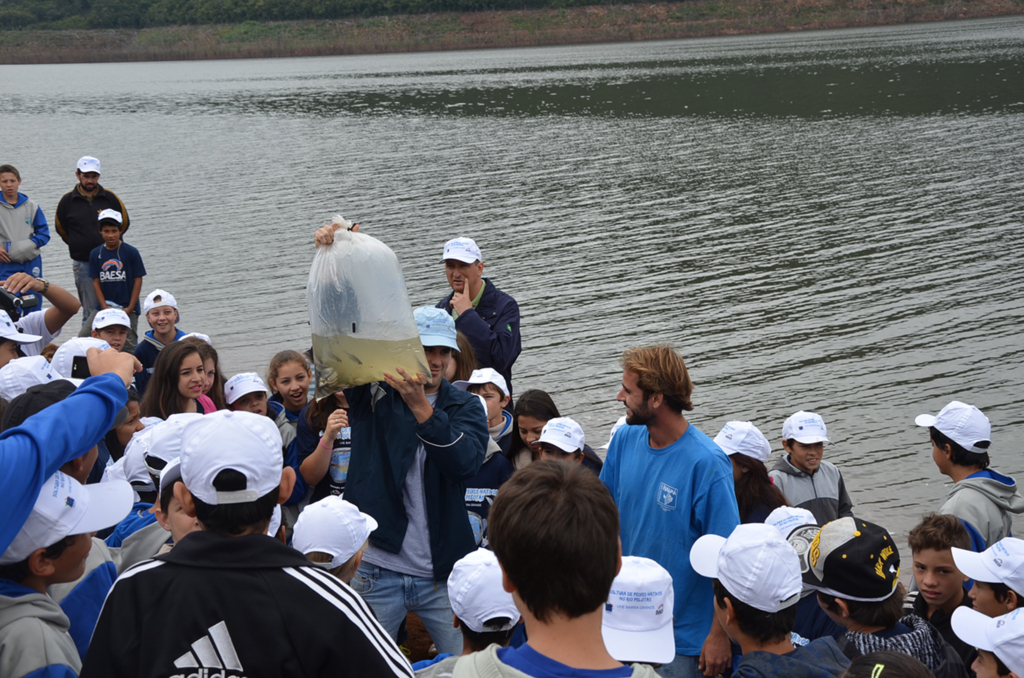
(359, 313)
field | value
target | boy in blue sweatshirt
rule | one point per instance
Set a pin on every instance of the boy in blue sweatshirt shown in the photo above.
(756, 577)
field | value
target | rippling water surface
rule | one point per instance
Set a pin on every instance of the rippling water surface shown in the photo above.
(828, 220)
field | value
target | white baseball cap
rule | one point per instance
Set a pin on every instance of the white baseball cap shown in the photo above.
(785, 519)
(133, 464)
(170, 474)
(164, 440)
(9, 331)
(64, 357)
(243, 384)
(64, 507)
(109, 317)
(962, 423)
(564, 433)
(1002, 562)
(109, 214)
(87, 164)
(1003, 636)
(477, 595)
(245, 442)
(619, 423)
(462, 249)
(637, 619)
(332, 526)
(20, 374)
(744, 438)
(805, 427)
(756, 564)
(158, 298)
(199, 335)
(487, 375)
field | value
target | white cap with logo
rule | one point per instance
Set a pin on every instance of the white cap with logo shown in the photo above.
(487, 375)
(21, 374)
(564, 433)
(333, 526)
(1003, 562)
(109, 215)
(962, 423)
(785, 519)
(1003, 636)
(87, 164)
(158, 298)
(242, 441)
(476, 593)
(756, 564)
(744, 438)
(462, 249)
(637, 619)
(64, 357)
(805, 427)
(63, 508)
(165, 438)
(243, 384)
(110, 317)
(9, 331)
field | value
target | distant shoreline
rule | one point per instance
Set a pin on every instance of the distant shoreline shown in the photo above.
(480, 30)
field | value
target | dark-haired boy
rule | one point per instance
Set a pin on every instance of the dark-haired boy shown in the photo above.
(980, 497)
(230, 599)
(562, 516)
(807, 480)
(484, 611)
(998, 574)
(855, 566)
(1000, 642)
(756, 577)
(117, 270)
(940, 584)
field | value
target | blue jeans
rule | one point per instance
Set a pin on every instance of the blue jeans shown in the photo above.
(392, 595)
(683, 666)
(86, 293)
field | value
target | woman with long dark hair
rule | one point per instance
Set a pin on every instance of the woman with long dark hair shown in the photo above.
(534, 409)
(748, 449)
(176, 383)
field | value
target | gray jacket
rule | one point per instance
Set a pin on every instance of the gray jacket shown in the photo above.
(823, 494)
(442, 669)
(486, 664)
(34, 635)
(986, 504)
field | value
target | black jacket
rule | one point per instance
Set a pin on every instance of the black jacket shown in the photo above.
(77, 220)
(248, 604)
(492, 328)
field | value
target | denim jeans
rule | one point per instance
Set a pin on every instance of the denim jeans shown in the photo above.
(392, 595)
(83, 282)
(683, 666)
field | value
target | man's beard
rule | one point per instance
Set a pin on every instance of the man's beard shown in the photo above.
(640, 417)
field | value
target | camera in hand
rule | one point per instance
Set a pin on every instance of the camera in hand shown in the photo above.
(18, 305)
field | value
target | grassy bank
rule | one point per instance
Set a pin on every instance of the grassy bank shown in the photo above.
(605, 23)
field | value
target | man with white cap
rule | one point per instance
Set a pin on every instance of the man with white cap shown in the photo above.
(807, 480)
(36, 637)
(77, 223)
(983, 499)
(757, 583)
(1000, 641)
(487, 316)
(227, 598)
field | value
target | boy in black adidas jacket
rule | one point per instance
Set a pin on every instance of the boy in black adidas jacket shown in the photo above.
(230, 602)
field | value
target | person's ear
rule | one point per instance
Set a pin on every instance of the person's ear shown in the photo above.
(39, 565)
(505, 400)
(506, 583)
(455, 622)
(287, 484)
(480, 267)
(161, 518)
(184, 497)
(844, 608)
(1012, 602)
(655, 401)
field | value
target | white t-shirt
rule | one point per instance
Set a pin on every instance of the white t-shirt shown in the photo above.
(35, 323)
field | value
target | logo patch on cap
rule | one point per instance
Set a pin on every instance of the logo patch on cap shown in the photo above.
(69, 502)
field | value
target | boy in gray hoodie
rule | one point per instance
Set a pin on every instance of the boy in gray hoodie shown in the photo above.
(560, 515)
(981, 498)
(51, 548)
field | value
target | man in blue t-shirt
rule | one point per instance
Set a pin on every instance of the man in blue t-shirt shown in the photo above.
(116, 270)
(672, 485)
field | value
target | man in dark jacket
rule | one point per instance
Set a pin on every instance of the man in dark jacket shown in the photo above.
(416, 441)
(77, 223)
(228, 600)
(487, 316)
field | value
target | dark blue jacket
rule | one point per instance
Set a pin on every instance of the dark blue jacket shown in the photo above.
(493, 330)
(385, 437)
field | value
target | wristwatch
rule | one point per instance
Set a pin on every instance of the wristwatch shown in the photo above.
(46, 284)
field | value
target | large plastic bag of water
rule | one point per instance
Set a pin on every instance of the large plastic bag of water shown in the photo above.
(359, 313)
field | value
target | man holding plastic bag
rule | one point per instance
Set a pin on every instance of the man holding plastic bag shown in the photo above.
(416, 440)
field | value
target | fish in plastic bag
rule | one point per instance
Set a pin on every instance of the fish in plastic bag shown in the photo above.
(359, 313)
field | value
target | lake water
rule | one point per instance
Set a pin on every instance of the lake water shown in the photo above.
(824, 220)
